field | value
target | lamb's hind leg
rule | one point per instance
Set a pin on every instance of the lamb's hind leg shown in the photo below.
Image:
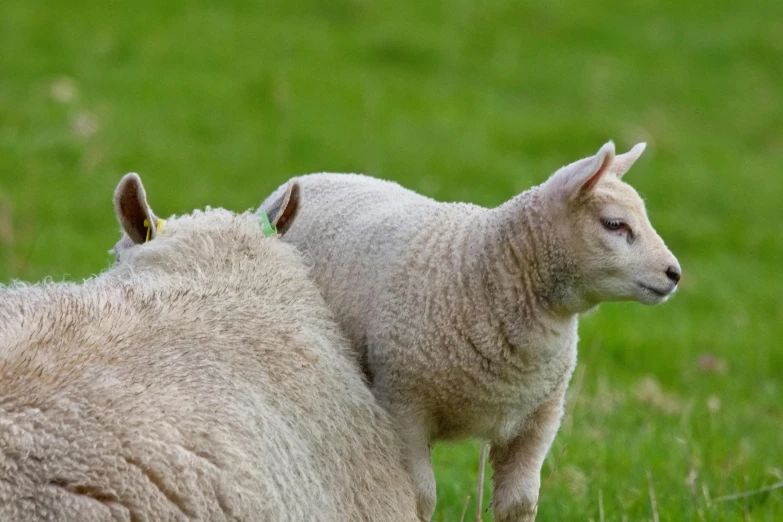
(517, 464)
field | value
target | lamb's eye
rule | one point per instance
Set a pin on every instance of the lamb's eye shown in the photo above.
(612, 224)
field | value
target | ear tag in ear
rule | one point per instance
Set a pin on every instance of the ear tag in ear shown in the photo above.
(266, 226)
(158, 228)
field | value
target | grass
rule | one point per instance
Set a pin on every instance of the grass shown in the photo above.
(215, 103)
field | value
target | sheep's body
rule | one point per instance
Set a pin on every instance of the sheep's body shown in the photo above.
(410, 252)
(202, 378)
(465, 318)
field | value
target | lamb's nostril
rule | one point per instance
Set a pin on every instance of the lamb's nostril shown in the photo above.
(673, 274)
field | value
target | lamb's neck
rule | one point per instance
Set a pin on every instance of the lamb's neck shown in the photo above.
(527, 275)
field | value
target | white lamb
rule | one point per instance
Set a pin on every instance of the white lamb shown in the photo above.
(465, 318)
(200, 378)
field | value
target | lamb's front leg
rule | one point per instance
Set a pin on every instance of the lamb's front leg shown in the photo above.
(418, 459)
(517, 464)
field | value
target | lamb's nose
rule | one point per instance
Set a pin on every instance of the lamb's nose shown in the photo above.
(673, 273)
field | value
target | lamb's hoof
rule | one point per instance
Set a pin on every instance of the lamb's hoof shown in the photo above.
(522, 513)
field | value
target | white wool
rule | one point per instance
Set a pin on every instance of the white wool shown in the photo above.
(200, 378)
(465, 318)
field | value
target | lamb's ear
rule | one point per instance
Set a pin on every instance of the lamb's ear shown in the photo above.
(582, 175)
(133, 212)
(282, 211)
(624, 162)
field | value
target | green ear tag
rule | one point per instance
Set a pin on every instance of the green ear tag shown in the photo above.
(266, 226)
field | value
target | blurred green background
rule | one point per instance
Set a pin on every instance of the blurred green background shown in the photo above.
(218, 102)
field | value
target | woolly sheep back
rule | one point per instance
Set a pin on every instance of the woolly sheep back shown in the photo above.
(200, 378)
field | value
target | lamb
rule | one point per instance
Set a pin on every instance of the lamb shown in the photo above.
(201, 377)
(465, 318)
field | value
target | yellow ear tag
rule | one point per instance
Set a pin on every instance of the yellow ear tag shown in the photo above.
(158, 228)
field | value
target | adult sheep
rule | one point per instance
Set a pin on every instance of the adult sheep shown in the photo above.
(201, 377)
(466, 317)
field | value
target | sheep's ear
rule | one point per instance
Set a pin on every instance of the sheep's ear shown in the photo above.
(582, 175)
(133, 212)
(624, 162)
(282, 211)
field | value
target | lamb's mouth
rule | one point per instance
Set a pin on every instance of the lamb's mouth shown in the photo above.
(653, 291)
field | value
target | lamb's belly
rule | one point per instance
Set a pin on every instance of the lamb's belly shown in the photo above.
(501, 411)
(487, 421)
(501, 426)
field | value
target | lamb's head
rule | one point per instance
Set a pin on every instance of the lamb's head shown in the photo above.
(614, 251)
(140, 224)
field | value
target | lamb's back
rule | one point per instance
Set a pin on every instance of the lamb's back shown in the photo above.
(354, 231)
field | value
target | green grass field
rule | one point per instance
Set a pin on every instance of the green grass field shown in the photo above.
(216, 103)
